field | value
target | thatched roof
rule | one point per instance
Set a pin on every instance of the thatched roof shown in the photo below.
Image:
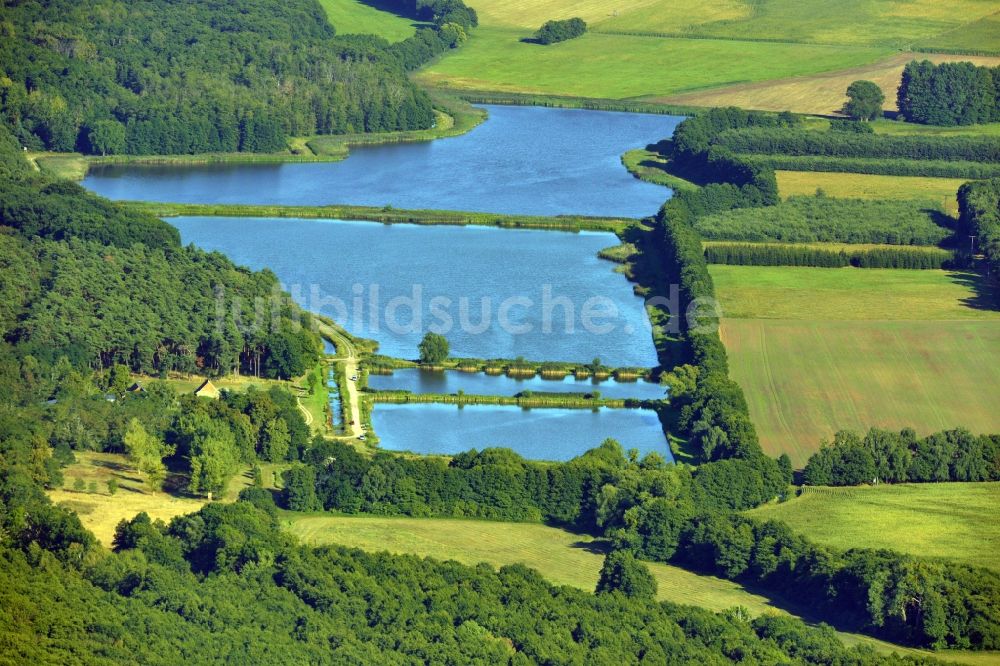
(207, 390)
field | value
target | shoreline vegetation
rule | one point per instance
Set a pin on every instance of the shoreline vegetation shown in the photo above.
(653, 167)
(568, 101)
(526, 399)
(386, 215)
(454, 117)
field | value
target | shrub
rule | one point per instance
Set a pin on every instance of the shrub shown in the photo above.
(559, 31)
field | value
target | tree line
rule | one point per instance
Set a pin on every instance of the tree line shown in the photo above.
(585, 493)
(880, 166)
(979, 217)
(746, 254)
(452, 21)
(667, 513)
(160, 77)
(807, 219)
(883, 456)
(902, 598)
(950, 93)
(793, 141)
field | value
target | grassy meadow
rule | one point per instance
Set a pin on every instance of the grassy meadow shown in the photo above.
(625, 66)
(941, 192)
(818, 350)
(781, 54)
(804, 380)
(350, 17)
(100, 511)
(863, 294)
(821, 93)
(894, 23)
(955, 521)
(562, 557)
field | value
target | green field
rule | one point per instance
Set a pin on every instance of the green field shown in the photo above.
(562, 557)
(804, 380)
(818, 350)
(894, 23)
(983, 33)
(956, 521)
(941, 192)
(899, 128)
(822, 93)
(824, 294)
(644, 48)
(623, 66)
(350, 17)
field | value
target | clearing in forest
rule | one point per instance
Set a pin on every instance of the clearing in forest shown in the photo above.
(956, 521)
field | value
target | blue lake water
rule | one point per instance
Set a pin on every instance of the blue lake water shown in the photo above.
(522, 160)
(477, 383)
(538, 434)
(494, 293)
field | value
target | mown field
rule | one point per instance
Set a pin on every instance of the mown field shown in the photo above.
(658, 50)
(351, 17)
(821, 93)
(956, 521)
(818, 350)
(561, 557)
(624, 66)
(940, 192)
(832, 294)
(804, 380)
(849, 22)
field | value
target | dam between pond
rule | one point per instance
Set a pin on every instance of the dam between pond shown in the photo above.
(409, 279)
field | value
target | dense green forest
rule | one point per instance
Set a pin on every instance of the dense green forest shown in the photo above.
(94, 291)
(96, 283)
(156, 76)
(882, 456)
(950, 93)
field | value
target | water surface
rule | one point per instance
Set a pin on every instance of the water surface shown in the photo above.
(354, 270)
(522, 160)
(476, 383)
(538, 434)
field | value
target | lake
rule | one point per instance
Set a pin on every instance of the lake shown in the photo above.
(494, 293)
(417, 380)
(538, 434)
(522, 160)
